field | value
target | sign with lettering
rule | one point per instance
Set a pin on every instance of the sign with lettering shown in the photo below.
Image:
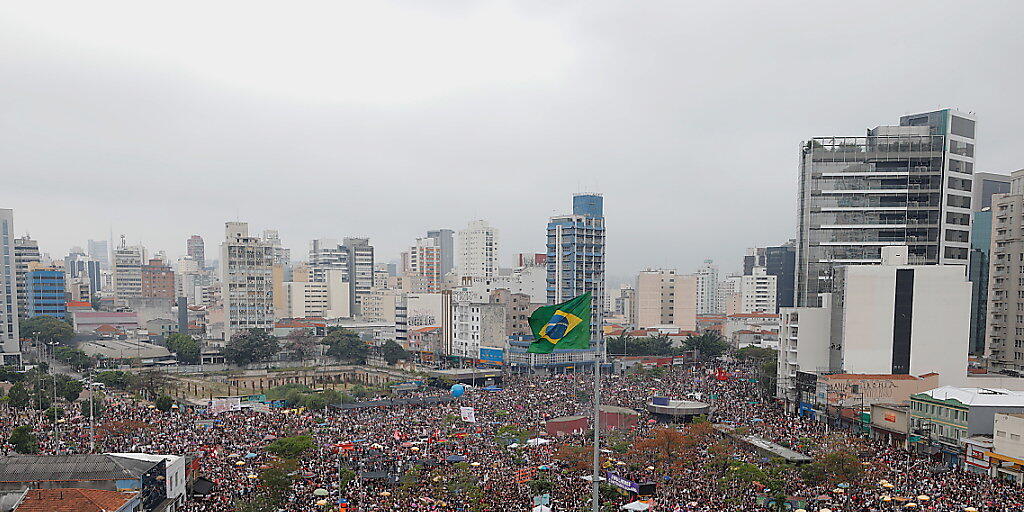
(622, 482)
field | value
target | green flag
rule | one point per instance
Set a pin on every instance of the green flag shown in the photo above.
(564, 326)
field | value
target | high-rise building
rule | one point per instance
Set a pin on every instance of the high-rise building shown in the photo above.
(157, 280)
(26, 253)
(898, 185)
(10, 346)
(446, 247)
(757, 292)
(707, 288)
(354, 257)
(663, 297)
(576, 256)
(778, 261)
(46, 291)
(247, 288)
(985, 186)
(78, 265)
(99, 250)
(282, 255)
(423, 265)
(730, 294)
(195, 248)
(127, 269)
(478, 250)
(1004, 343)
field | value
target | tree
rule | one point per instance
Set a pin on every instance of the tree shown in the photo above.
(393, 352)
(24, 440)
(290, 447)
(68, 388)
(116, 379)
(46, 329)
(18, 396)
(346, 345)
(834, 467)
(77, 359)
(164, 403)
(98, 406)
(251, 346)
(255, 504)
(315, 401)
(657, 345)
(185, 347)
(756, 354)
(300, 344)
(710, 344)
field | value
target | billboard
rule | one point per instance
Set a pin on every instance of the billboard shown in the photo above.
(492, 355)
(622, 482)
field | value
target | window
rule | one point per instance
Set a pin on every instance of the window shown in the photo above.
(962, 127)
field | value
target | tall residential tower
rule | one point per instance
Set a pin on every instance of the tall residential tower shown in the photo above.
(576, 256)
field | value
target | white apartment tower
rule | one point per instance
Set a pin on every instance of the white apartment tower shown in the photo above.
(1005, 328)
(10, 348)
(707, 288)
(423, 265)
(757, 292)
(26, 253)
(478, 250)
(247, 288)
(127, 271)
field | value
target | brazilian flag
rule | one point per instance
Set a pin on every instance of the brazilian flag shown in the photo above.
(565, 326)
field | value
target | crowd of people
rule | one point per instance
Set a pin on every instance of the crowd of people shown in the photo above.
(426, 458)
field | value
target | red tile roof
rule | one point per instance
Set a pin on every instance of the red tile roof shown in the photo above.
(107, 328)
(754, 315)
(73, 500)
(428, 328)
(78, 304)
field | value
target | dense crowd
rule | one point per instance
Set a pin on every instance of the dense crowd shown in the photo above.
(424, 458)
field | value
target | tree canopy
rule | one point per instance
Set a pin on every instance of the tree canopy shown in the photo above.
(290, 447)
(392, 352)
(710, 344)
(623, 344)
(251, 346)
(46, 329)
(185, 347)
(24, 440)
(346, 345)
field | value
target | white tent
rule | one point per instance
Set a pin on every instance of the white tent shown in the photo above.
(636, 505)
(542, 508)
(537, 441)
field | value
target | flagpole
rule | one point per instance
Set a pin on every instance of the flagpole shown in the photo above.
(597, 433)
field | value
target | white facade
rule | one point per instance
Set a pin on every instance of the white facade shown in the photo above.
(478, 250)
(803, 344)
(423, 265)
(127, 268)
(525, 280)
(10, 348)
(878, 336)
(381, 305)
(247, 289)
(757, 292)
(707, 288)
(729, 294)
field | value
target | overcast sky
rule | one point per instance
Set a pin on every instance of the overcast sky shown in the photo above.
(386, 119)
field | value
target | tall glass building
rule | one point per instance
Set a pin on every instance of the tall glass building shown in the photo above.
(46, 292)
(897, 185)
(575, 258)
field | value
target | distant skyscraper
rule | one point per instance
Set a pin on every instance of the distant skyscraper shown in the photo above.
(707, 288)
(282, 255)
(195, 248)
(354, 257)
(100, 251)
(46, 292)
(663, 297)
(478, 250)
(247, 288)
(26, 253)
(899, 185)
(576, 256)
(10, 347)
(985, 186)
(778, 261)
(78, 265)
(127, 268)
(157, 280)
(446, 244)
(423, 265)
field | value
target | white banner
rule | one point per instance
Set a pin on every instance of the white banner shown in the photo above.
(468, 414)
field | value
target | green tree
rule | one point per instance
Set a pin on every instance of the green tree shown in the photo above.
(164, 403)
(68, 388)
(18, 396)
(290, 447)
(756, 354)
(23, 440)
(185, 347)
(346, 345)
(277, 480)
(251, 346)
(54, 413)
(300, 344)
(98, 406)
(710, 344)
(314, 401)
(46, 329)
(392, 352)
(116, 379)
(75, 358)
(255, 504)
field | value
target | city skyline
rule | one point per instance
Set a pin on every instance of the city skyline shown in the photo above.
(581, 115)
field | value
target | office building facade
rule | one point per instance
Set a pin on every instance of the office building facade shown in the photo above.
(26, 254)
(195, 248)
(1004, 340)
(246, 282)
(446, 249)
(576, 256)
(707, 288)
(46, 292)
(478, 250)
(10, 346)
(899, 185)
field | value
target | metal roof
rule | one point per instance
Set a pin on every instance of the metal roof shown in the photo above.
(70, 468)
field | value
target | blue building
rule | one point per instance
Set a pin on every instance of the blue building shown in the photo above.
(977, 273)
(46, 294)
(576, 256)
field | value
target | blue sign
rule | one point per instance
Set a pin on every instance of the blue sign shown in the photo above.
(660, 400)
(494, 355)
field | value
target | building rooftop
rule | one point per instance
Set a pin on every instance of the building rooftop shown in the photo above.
(70, 468)
(869, 376)
(74, 500)
(975, 396)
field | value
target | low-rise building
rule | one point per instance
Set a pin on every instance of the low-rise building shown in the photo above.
(947, 415)
(889, 423)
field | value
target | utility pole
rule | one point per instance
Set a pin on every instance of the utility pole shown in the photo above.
(596, 495)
